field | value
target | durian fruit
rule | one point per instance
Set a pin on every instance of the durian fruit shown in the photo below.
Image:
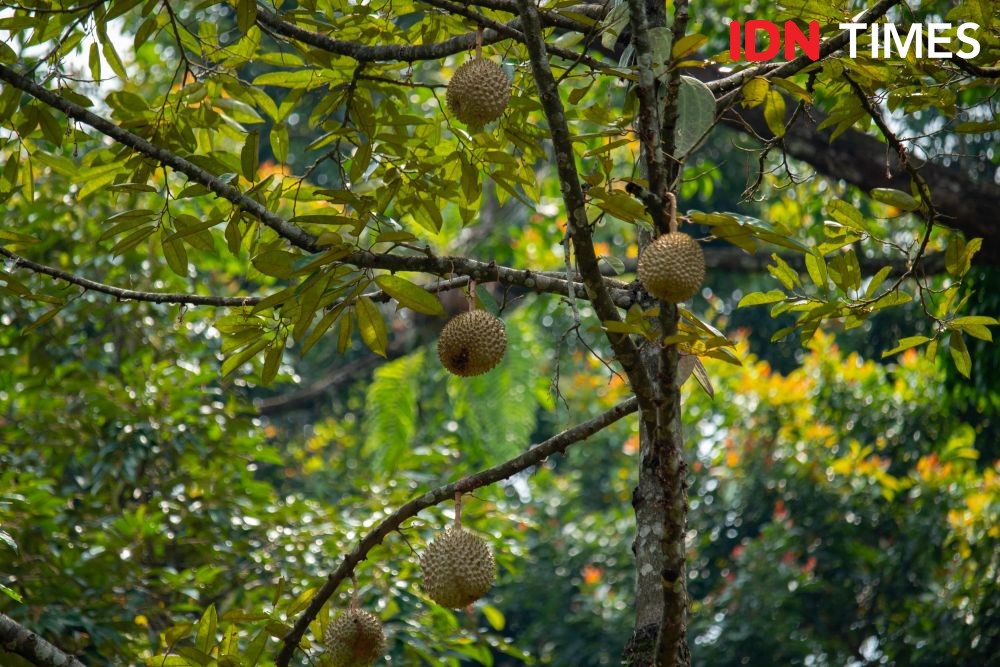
(672, 267)
(472, 343)
(478, 92)
(354, 639)
(458, 568)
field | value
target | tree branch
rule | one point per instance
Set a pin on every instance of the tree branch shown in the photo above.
(930, 215)
(508, 30)
(494, 32)
(21, 641)
(295, 235)
(481, 272)
(649, 120)
(624, 347)
(533, 456)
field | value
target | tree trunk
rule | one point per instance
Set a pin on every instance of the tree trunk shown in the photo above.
(660, 502)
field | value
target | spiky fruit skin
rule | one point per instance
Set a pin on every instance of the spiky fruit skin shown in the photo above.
(672, 267)
(354, 639)
(458, 568)
(478, 92)
(472, 343)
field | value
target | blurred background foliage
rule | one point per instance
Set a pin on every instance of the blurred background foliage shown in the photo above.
(844, 508)
(844, 512)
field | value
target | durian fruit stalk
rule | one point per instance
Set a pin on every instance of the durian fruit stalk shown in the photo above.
(458, 566)
(472, 343)
(672, 267)
(478, 92)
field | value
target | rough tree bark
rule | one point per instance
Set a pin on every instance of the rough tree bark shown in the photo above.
(660, 498)
(21, 641)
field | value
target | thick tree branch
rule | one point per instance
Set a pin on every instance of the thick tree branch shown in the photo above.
(494, 32)
(482, 272)
(21, 641)
(976, 70)
(394, 521)
(376, 53)
(860, 159)
(624, 347)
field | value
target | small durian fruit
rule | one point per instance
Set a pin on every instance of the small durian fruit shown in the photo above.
(458, 568)
(478, 92)
(672, 267)
(472, 343)
(354, 639)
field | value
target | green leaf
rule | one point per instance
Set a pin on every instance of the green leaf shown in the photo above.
(613, 24)
(975, 319)
(108, 49)
(974, 325)
(322, 327)
(695, 115)
(894, 298)
(847, 215)
(877, 281)
(906, 344)
(816, 267)
(255, 649)
(372, 326)
(272, 361)
(176, 256)
(249, 156)
(897, 198)
(410, 295)
(774, 112)
(244, 355)
(960, 354)
(783, 272)
(760, 298)
(246, 14)
(207, 626)
(781, 333)
(279, 143)
(133, 239)
(277, 263)
(614, 263)
(11, 593)
(660, 39)
(494, 617)
(94, 60)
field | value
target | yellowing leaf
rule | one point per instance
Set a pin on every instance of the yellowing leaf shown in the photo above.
(371, 326)
(760, 298)
(410, 295)
(755, 91)
(897, 198)
(960, 354)
(774, 112)
(906, 344)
